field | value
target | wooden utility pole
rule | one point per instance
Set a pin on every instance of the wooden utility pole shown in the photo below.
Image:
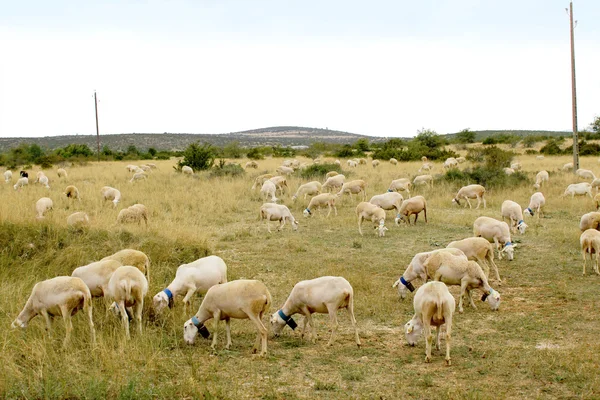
(97, 130)
(574, 95)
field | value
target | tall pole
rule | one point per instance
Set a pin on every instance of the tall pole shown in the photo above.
(574, 95)
(98, 130)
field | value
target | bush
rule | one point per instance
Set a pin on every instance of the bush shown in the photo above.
(255, 154)
(198, 157)
(531, 152)
(320, 170)
(551, 148)
(487, 177)
(232, 170)
(493, 157)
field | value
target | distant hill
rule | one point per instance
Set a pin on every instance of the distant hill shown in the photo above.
(280, 135)
(480, 135)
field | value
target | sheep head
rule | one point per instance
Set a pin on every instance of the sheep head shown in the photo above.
(412, 331)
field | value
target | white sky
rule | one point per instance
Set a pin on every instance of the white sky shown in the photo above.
(381, 68)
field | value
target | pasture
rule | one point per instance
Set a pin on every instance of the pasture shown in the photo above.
(542, 343)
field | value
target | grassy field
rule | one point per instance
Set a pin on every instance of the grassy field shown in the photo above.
(543, 343)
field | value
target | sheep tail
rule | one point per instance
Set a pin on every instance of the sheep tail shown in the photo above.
(440, 309)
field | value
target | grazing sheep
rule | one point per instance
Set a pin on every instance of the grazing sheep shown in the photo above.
(393, 161)
(258, 182)
(579, 189)
(513, 212)
(590, 220)
(352, 163)
(585, 174)
(568, 167)
(96, 275)
(516, 166)
(495, 231)
(371, 212)
(333, 182)
(596, 184)
(590, 244)
(131, 168)
(434, 306)
(111, 194)
(321, 200)
(508, 171)
(399, 185)
(251, 164)
(330, 174)
(195, 277)
(539, 157)
(145, 168)
(450, 163)
(362, 161)
(426, 167)
(423, 180)
(454, 270)
(536, 202)
(540, 178)
(42, 205)
(354, 187)
(281, 183)
(337, 162)
(424, 159)
(311, 188)
(78, 220)
(128, 287)
(471, 192)
(72, 192)
(135, 213)
(285, 170)
(240, 299)
(277, 212)
(388, 201)
(138, 176)
(132, 257)
(64, 296)
(375, 163)
(61, 173)
(187, 170)
(323, 295)
(21, 182)
(8, 176)
(597, 201)
(267, 190)
(151, 165)
(38, 176)
(477, 249)
(411, 206)
(43, 180)
(461, 160)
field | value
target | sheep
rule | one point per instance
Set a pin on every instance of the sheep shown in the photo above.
(516, 166)
(131, 168)
(454, 270)
(61, 173)
(258, 182)
(132, 257)
(597, 201)
(321, 200)
(138, 176)
(374, 213)
(362, 161)
(333, 182)
(195, 277)
(337, 162)
(285, 170)
(471, 192)
(352, 163)
(375, 163)
(423, 180)
(536, 202)
(590, 220)
(461, 160)
(425, 167)
(8, 176)
(354, 187)
(43, 180)
(145, 168)
(62, 295)
(398, 185)
(38, 176)
(268, 189)
(251, 164)
(330, 174)
(187, 170)
(388, 201)
(393, 161)
(287, 163)
(238, 299)
(411, 206)
(128, 287)
(96, 275)
(72, 192)
(513, 212)
(495, 231)
(568, 167)
(135, 213)
(540, 178)
(416, 270)
(326, 294)
(21, 182)
(151, 165)
(585, 174)
(280, 182)
(277, 212)
(434, 306)
(42, 205)
(477, 249)
(78, 220)
(508, 171)
(595, 184)
(539, 157)
(424, 159)
(590, 244)
(579, 189)
(111, 194)
(310, 188)
(450, 163)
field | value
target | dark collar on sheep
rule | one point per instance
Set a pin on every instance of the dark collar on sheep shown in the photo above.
(288, 320)
(201, 328)
(485, 295)
(507, 244)
(307, 210)
(530, 211)
(390, 190)
(170, 297)
(408, 285)
(520, 222)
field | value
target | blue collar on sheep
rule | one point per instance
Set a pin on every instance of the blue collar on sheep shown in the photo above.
(520, 222)
(530, 211)
(288, 320)
(169, 296)
(390, 190)
(408, 285)
(507, 244)
(201, 328)
(308, 211)
(485, 295)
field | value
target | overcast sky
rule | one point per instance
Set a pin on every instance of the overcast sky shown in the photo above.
(381, 68)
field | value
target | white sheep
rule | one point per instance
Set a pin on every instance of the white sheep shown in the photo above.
(240, 299)
(568, 167)
(21, 182)
(450, 163)
(461, 160)
(399, 185)
(352, 163)
(470, 192)
(539, 157)
(96, 275)
(426, 167)
(146, 168)
(277, 212)
(259, 180)
(579, 189)
(333, 182)
(311, 188)
(495, 231)
(128, 287)
(540, 178)
(72, 192)
(388, 201)
(283, 170)
(411, 206)
(590, 220)
(195, 277)
(536, 203)
(280, 182)
(354, 187)
(61, 173)
(393, 161)
(64, 296)
(516, 166)
(424, 159)
(373, 213)
(597, 201)
(585, 174)
(596, 184)
(590, 244)
(151, 165)
(434, 306)
(508, 171)
(251, 164)
(375, 163)
(337, 162)
(187, 170)
(423, 180)
(111, 194)
(321, 200)
(477, 249)
(362, 161)
(132, 257)
(135, 213)
(8, 176)
(330, 174)
(78, 220)
(138, 176)
(131, 168)
(43, 180)
(323, 295)
(42, 205)
(267, 190)
(513, 212)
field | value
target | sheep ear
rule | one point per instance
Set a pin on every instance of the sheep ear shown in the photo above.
(409, 329)
(514, 245)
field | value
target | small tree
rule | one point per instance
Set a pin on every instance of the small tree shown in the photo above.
(255, 154)
(465, 136)
(198, 157)
(152, 151)
(429, 138)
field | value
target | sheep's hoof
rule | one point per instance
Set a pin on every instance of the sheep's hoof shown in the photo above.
(460, 310)
(448, 362)
(427, 359)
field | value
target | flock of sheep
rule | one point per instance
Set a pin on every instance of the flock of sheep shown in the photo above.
(122, 278)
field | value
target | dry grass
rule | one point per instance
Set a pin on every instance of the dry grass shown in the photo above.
(541, 344)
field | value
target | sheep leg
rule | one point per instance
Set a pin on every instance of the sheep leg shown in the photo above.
(498, 248)
(416, 217)
(137, 312)
(66, 314)
(44, 312)
(494, 266)
(216, 318)
(187, 300)
(124, 318)
(268, 223)
(448, 321)
(228, 331)
(309, 324)
(428, 338)
(360, 219)
(463, 288)
(470, 300)
(281, 224)
(262, 332)
(89, 310)
(484, 204)
(329, 207)
(334, 322)
(584, 260)
(350, 309)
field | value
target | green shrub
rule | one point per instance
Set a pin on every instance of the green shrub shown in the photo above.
(493, 157)
(255, 154)
(551, 148)
(531, 152)
(320, 170)
(222, 169)
(198, 157)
